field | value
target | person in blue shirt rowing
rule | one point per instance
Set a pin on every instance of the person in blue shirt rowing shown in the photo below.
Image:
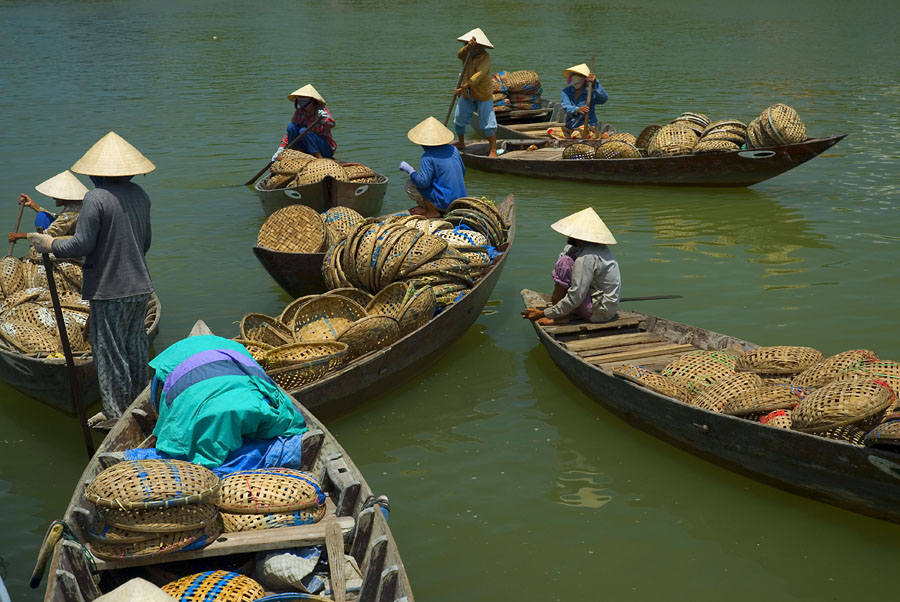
(439, 180)
(575, 102)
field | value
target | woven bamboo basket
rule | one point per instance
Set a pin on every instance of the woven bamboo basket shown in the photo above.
(481, 204)
(160, 520)
(441, 264)
(418, 310)
(290, 153)
(885, 436)
(617, 149)
(318, 169)
(332, 272)
(723, 134)
(757, 136)
(440, 279)
(370, 334)
(700, 369)
(424, 249)
(672, 139)
(387, 253)
(646, 136)
(779, 359)
(265, 329)
(234, 523)
(293, 376)
(393, 260)
(103, 533)
(860, 402)
(694, 118)
(290, 166)
(146, 484)
(158, 545)
(782, 124)
(624, 137)
(715, 146)
(354, 294)
(477, 259)
(277, 181)
(654, 381)
(220, 586)
(325, 318)
(267, 490)
(256, 349)
(286, 317)
(360, 251)
(828, 370)
(11, 277)
(849, 433)
(27, 338)
(390, 300)
(762, 400)
(717, 395)
(462, 238)
(883, 370)
(479, 221)
(355, 171)
(342, 220)
(293, 229)
(726, 124)
(313, 353)
(522, 81)
(15, 298)
(779, 419)
(579, 151)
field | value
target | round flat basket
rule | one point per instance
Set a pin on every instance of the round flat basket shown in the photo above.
(145, 484)
(886, 371)
(828, 370)
(289, 166)
(384, 253)
(290, 153)
(293, 229)
(763, 399)
(318, 169)
(28, 338)
(617, 149)
(370, 334)
(425, 248)
(462, 238)
(256, 349)
(325, 317)
(860, 402)
(849, 433)
(479, 221)
(390, 300)
(695, 118)
(716, 396)
(264, 329)
(647, 134)
(654, 381)
(579, 151)
(277, 181)
(483, 205)
(234, 523)
(268, 490)
(356, 295)
(311, 353)
(782, 123)
(342, 219)
(700, 369)
(356, 171)
(393, 259)
(101, 532)
(624, 137)
(780, 359)
(418, 310)
(158, 545)
(12, 276)
(885, 436)
(294, 376)
(160, 520)
(735, 137)
(221, 586)
(715, 146)
(286, 317)
(779, 419)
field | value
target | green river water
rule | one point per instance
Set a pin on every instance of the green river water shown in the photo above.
(506, 482)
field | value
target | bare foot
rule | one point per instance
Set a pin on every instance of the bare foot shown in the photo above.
(492, 154)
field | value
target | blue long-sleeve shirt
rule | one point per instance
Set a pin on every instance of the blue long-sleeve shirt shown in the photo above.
(440, 175)
(570, 104)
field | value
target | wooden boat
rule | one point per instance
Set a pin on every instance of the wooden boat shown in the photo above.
(526, 123)
(379, 370)
(47, 379)
(732, 168)
(366, 198)
(297, 273)
(862, 479)
(367, 536)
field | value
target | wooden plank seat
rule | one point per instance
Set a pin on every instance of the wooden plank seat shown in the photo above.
(625, 319)
(544, 154)
(636, 353)
(584, 345)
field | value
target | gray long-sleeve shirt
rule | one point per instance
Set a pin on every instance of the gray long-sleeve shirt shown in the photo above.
(595, 273)
(113, 235)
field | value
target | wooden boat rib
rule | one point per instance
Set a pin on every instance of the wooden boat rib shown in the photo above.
(860, 479)
(732, 168)
(47, 379)
(367, 536)
(379, 370)
(366, 198)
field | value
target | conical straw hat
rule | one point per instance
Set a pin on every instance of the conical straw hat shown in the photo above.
(585, 225)
(64, 186)
(136, 590)
(307, 91)
(581, 69)
(479, 36)
(111, 156)
(430, 132)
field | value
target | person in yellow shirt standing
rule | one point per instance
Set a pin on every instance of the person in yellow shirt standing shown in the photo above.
(475, 93)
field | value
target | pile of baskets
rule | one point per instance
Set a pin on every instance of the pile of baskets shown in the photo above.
(27, 322)
(295, 168)
(299, 229)
(152, 507)
(850, 396)
(516, 90)
(321, 333)
(776, 126)
(269, 498)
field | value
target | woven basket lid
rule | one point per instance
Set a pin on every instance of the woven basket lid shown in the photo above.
(700, 369)
(418, 310)
(654, 381)
(64, 186)
(828, 370)
(477, 220)
(585, 225)
(308, 353)
(390, 300)
(618, 149)
(885, 436)
(715, 146)
(462, 238)
(318, 169)
(136, 590)
(779, 418)
(647, 134)
(290, 165)
(307, 91)
(113, 156)
(578, 152)
(101, 532)
(152, 484)
(370, 334)
(841, 403)
(234, 523)
(430, 132)
(725, 389)
(778, 359)
(883, 370)
(265, 329)
(160, 520)
(480, 38)
(268, 490)
(159, 544)
(354, 294)
(325, 318)
(624, 137)
(763, 399)
(783, 123)
(221, 586)
(293, 229)
(342, 219)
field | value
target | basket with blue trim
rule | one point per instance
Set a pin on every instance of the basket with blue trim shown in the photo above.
(221, 586)
(144, 484)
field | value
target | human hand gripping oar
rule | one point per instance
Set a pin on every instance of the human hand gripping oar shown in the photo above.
(293, 143)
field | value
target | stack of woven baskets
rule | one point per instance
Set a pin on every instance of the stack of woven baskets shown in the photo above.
(842, 397)
(299, 229)
(516, 90)
(777, 125)
(152, 507)
(294, 168)
(269, 498)
(27, 322)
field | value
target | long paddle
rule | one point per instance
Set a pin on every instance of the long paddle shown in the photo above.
(630, 299)
(458, 84)
(293, 143)
(587, 132)
(12, 245)
(67, 352)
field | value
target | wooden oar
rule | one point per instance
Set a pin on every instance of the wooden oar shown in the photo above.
(587, 132)
(67, 352)
(293, 143)
(50, 539)
(12, 244)
(630, 299)
(334, 544)
(458, 84)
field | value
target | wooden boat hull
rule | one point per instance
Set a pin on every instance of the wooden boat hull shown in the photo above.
(47, 380)
(69, 576)
(382, 369)
(366, 198)
(860, 479)
(733, 168)
(298, 274)
(520, 124)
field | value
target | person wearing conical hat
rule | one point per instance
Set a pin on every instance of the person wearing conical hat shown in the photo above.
(113, 235)
(440, 178)
(586, 275)
(309, 106)
(68, 192)
(475, 92)
(575, 100)
(136, 590)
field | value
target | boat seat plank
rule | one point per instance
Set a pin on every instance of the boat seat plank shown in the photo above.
(640, 352)
(544, 154)
(625, 319)
(616, 340)
(656, 363)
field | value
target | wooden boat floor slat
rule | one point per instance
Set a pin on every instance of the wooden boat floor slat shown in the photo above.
(544, 154)
(656, 363)
(615, 340)
(246, 541)
(625, 320)
(638, 352)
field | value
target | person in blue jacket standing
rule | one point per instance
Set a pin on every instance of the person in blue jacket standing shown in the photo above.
(575, 101)
(440, 178)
